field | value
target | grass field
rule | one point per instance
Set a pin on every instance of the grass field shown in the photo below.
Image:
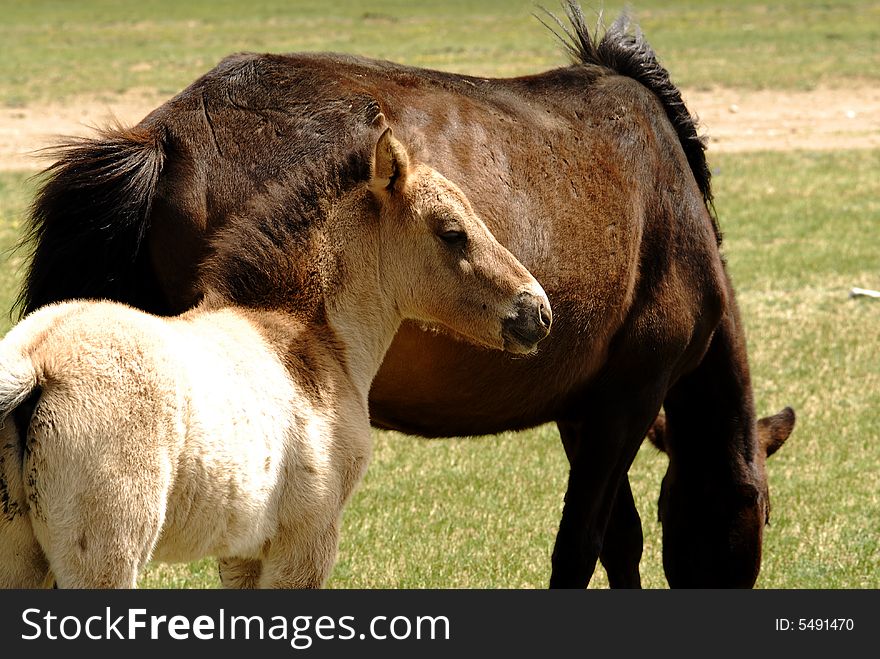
(801, 228)
(54, 49)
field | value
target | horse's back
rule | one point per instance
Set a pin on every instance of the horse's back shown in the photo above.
(563, 166)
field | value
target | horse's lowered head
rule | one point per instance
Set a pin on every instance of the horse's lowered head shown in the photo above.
(453, 271)
(713, 528)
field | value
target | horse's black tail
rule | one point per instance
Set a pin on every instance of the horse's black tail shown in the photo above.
(88, 221)
(625, 51)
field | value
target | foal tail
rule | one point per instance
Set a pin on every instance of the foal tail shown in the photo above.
(88, 221)
(18, 379)
(23, 563)
(23, 370)
(18, 385)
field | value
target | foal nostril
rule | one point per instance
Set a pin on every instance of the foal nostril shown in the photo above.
(545, 315)
(529, 324)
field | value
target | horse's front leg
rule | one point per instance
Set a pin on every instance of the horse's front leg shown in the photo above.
(622, 546)
(303, 550)
(301, 555)
(621, 549)
(601, 445)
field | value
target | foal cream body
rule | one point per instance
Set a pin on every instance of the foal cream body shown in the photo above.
(194, 425)
(235, 431)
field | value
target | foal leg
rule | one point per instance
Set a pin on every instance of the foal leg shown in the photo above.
(303, 551)
(82, 557)
(96, 546)
(301, 556)
(240, 573)
(22, 562)
(102, 531)
(621, 549)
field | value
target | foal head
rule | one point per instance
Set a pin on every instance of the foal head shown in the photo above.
(442, 264)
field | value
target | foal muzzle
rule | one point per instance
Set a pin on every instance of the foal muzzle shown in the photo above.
(530, 324)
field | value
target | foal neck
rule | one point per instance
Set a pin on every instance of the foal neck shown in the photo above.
(362, 310)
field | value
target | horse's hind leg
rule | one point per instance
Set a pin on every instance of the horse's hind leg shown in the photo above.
(82, 555)
(102, 531)
(22, 562)
(100, 571)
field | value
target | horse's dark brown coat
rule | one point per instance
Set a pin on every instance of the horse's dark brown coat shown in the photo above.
(592, 175)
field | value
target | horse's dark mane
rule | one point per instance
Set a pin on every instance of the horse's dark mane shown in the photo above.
(625, 51)
(274, 253)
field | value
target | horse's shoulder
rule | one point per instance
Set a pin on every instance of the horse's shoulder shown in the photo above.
(307, 348)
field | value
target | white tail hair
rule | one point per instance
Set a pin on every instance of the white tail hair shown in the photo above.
(17, 380)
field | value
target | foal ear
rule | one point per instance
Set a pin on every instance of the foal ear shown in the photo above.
(390, 165)
(774, 430)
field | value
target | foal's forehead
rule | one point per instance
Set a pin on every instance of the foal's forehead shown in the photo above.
(434, 191)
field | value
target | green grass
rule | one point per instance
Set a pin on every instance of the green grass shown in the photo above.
(800, 231)
(53, 49)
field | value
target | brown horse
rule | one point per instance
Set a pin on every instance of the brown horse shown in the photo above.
(593, 175)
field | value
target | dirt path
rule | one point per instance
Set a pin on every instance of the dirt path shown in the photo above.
(734, 120)
(823, 119)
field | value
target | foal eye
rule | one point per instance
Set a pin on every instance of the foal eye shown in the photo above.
(453, 237)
